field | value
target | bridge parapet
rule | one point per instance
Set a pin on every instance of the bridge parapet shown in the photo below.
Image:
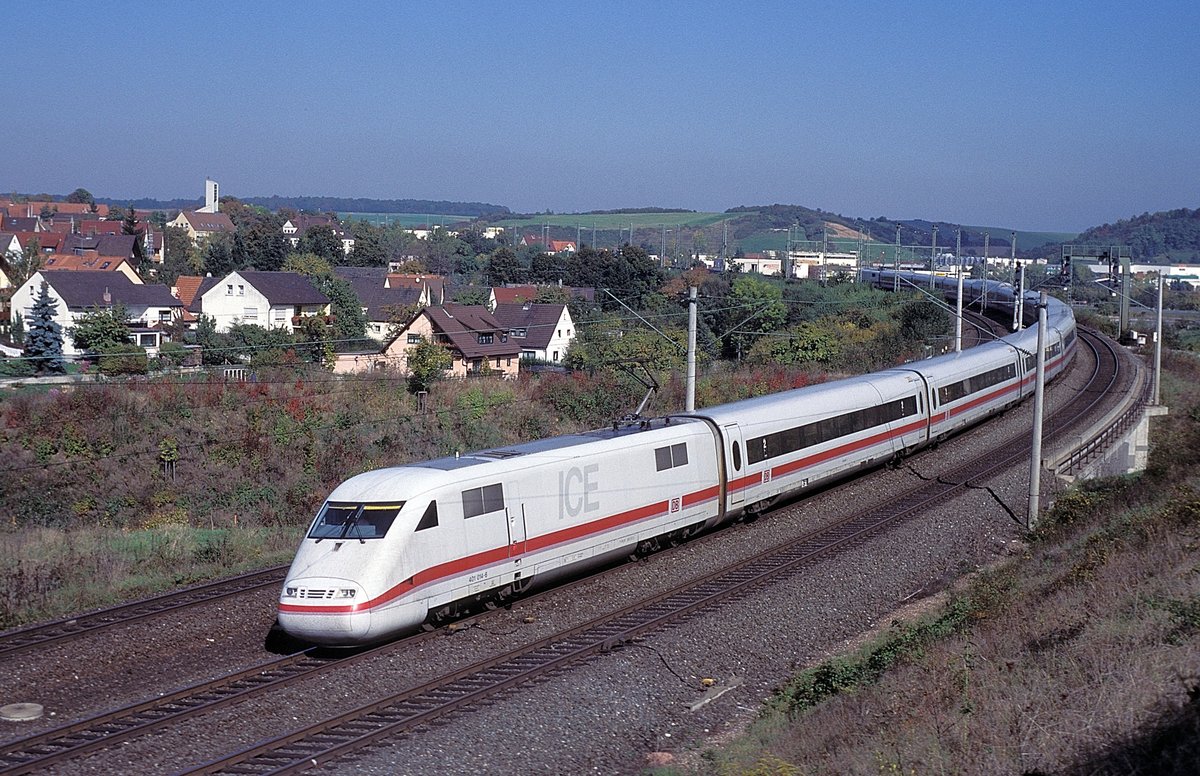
(1118, 443)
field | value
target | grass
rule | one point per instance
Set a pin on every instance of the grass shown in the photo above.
(1081, 656)
(51, 572)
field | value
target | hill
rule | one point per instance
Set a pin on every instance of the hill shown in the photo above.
(333, 205)
(1171, 235)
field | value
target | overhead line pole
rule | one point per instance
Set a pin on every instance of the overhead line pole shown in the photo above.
(1035, 463)
(690, 400)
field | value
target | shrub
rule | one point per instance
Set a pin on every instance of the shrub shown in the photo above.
(122, 358)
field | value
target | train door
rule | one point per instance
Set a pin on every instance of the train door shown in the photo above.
(735, 463)
(515, 511)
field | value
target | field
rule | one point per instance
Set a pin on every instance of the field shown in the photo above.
(404, 219)
(613, 221)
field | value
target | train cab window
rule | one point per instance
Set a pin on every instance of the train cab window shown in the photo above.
(480, 501)
(737, 457)
(670, 456)
(339, 520)
(429, 519)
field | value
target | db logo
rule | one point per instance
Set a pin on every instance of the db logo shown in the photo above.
(675, 504)
(766, 475)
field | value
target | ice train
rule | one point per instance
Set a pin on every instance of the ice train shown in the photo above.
(393, 548)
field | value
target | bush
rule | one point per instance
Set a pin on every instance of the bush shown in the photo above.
(172, 354)
(122, 358)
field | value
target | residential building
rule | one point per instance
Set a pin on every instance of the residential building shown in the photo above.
(80, 292)
(385, 306)
(272, 300)
(75, 262)
(200, 226)
(516, 294)
(544, 331)
(549, 246)
(478, 343)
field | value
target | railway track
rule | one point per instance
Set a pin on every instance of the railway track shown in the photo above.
(401, 713)
(68, 628)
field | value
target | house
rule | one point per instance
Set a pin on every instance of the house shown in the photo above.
(21, 224)
(201, 226)
(385, 306)
(294, 229)
(75, 262)
(513, 294)
(551, 246)
(188, 289)
(544, 331)
(433, 285)
(111, 245)
(47, 242)
(79, 292)
(272, 300)
(477, 342)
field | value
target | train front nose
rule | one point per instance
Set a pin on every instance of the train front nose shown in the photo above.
(325, 610)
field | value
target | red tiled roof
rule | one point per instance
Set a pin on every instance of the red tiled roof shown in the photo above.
(186, 287)
(92, 263)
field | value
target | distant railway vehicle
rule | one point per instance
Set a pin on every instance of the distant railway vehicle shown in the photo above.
(394, 548)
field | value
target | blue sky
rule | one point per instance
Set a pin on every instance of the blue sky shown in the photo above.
(1049, 115)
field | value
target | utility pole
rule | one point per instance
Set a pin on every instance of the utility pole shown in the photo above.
(896, 277)
(690, 400)
(1019, 304)
(987, 237)
(1035, 464)
(1012, 260)
(958, 318)
(932, 255)
(1158, 338)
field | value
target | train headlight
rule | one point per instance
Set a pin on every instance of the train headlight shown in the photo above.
(290, 592)
(346, 592)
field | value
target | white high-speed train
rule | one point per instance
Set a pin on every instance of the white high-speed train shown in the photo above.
(393, 548)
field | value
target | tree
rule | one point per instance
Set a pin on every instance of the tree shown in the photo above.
(80, 197)
(473, 295)
(548, 268)
(349, 320)
(43, 343)
(180, 257)
(502, 267)
(17, 334)
(266, 246)
(308, 264)
(130, 226)
(368, 250)
(427, 363)
(101, 327)
(755, 307)
(324, 242)
(218, 255)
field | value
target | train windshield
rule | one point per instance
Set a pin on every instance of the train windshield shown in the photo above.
(340, 520)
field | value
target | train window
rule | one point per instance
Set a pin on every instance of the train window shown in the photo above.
(339, 520)
(737, 457)
(976, 383)
(671, 456)
(429, 519)
(800, 437)
(480, 501)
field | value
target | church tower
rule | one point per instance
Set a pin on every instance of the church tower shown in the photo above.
(212, 197)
